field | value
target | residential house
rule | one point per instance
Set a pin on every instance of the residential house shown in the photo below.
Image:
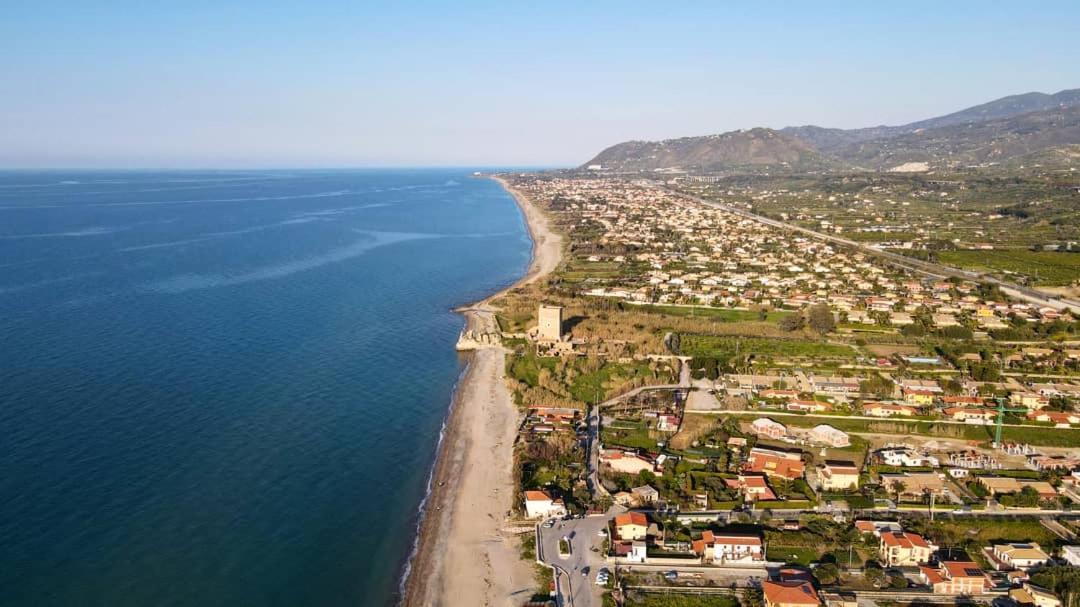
(918, 397)
(631, 526)
(774, 462)
(1017, 556)
(808, 406)
(633, 551)
(789, 594)
(729, 548)
(914, 483)
(998, 485)
(904, 549)
(779, 394)
(645, 494)
(955, 577)
(1060, 419)
(752, 486)
(904, 456)
(876, 409)
(970, 415)
(838, 476)
(1030, 400)
(538, 504)
(1030, 595)
(877, 527)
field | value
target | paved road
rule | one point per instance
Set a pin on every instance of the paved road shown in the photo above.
(774, 413)
(932, 269)
(573, 588)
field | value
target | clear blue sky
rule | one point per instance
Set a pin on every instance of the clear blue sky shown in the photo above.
(224, 84)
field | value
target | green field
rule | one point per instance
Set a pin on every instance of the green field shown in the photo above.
(986, 531)
(718, 314)
(638, 599)
(794, 555)
(629, 434)
(1047, 268)
(725, 347)
(1033, 435)
(587, 387)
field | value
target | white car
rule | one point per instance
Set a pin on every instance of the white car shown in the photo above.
(601, 579)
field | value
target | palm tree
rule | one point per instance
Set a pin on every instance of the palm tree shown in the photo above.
(898, 487)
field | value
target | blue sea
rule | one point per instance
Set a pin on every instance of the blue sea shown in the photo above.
(227, 388)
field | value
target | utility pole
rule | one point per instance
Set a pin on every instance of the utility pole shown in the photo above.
(1001, 411)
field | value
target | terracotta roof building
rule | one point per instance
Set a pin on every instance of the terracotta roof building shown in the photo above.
(789, 594)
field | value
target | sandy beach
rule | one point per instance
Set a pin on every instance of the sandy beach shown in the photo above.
(465, 556)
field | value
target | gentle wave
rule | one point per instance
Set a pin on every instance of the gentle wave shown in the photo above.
(164, 245)
(94, 231)
(334, 193)
(192, 282)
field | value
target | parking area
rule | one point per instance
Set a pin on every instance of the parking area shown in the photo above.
(576, 570)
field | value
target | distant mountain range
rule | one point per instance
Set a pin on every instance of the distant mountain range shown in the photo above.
(1043, 127)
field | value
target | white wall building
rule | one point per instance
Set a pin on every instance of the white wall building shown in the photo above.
(538, 504)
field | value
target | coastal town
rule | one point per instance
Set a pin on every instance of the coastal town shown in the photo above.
(715, 410)
(580, 304)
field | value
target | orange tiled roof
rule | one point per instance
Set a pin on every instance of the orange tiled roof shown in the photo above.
(790, 593)
(631, 518)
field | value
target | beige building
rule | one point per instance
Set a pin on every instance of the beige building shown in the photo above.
(903, 549)
(1031, 594)
(550, 323)
(631, 526)
(955, 577)
(914, 483)
(1017, 556)
(838, 476)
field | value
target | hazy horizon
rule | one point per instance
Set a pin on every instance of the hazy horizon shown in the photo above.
(248, 86)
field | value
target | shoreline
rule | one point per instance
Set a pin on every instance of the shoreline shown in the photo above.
(460, 550)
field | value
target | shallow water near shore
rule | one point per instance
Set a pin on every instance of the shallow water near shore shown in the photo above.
(222, 388)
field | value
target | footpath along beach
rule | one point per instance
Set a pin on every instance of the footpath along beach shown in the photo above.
(462, 556)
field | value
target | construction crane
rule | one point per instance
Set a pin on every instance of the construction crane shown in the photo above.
(1001, 411)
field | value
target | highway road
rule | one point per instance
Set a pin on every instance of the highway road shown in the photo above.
(932, 269)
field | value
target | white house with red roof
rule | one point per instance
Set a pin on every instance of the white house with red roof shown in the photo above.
(904, 549)
(721, 548)
(539, 504)
(955, 577)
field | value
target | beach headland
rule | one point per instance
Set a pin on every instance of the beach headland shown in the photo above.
(462, 555)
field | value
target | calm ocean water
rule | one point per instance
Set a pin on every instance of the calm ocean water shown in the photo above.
(226, 388)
